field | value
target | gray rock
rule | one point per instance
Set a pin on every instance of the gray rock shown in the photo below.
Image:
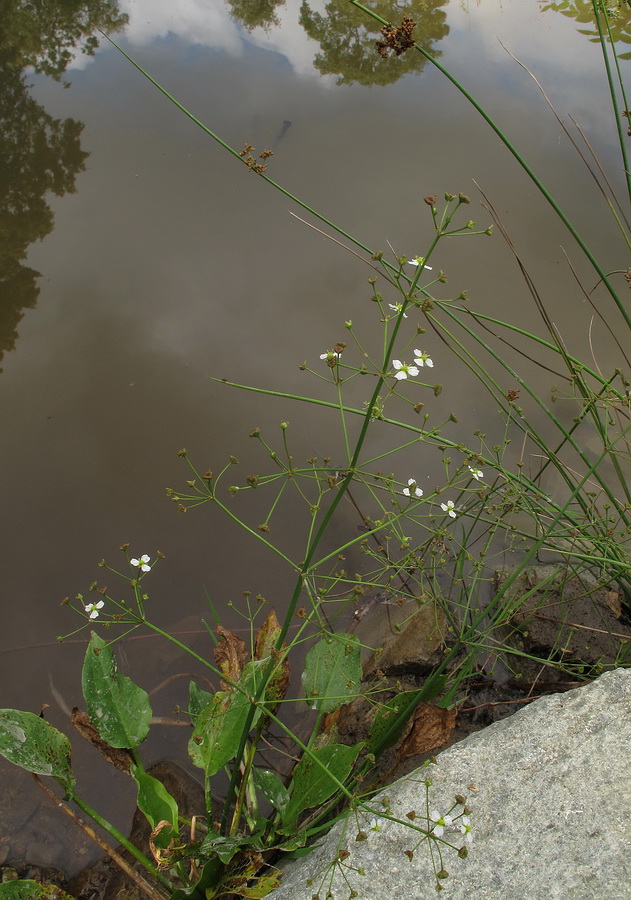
(548, 790)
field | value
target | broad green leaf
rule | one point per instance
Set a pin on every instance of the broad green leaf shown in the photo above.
(333, 672)
(155, 802)
(30, 742)
(119, 709)
(197, 699)
(311, 784)
(390, 720)
(217, 734)
(272, 788)
(25, 889)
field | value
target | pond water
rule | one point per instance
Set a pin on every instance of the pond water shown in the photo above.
(142, 262)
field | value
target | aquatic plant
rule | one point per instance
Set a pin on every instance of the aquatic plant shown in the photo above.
(422, 547)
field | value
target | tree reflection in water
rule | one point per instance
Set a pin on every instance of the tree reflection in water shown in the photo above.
(38, 154)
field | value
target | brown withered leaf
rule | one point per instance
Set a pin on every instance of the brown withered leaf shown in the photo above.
(230, 656)
(266, 636)
(120, 758)
(264, 646)
(429, 728)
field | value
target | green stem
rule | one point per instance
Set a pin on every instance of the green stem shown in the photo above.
(522, 162)
(124, 842)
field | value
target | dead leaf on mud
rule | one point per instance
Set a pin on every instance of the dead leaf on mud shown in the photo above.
(230, 656)
(429, 728)
(120, 758)
(612, 600)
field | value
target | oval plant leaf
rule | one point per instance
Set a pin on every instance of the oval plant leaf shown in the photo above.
(154, 800)
(119, 709)
(312, 784)
(26, 889)
(333, 672)
(217, 734)
(30, 742)
(272, 788)
(198, 699)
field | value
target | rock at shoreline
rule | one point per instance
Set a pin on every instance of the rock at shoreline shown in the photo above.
(548, 791)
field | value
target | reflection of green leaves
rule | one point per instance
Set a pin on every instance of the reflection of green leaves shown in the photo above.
(255, 13)
(39, 155)
(332, 672)
(312, 784)
(347, 38)
(30, 742)
(582, 11)
(47, 36)
(119, 709)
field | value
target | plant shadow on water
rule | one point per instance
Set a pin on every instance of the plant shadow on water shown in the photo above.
(426, 568)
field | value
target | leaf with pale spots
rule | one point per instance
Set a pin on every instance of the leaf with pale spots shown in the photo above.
(332, 672)
(30, 742)
(217, 733)
(119, 709)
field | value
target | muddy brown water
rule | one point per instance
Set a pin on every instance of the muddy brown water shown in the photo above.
(170, 264)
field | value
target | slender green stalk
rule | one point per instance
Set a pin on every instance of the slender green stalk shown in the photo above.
(598, 6)
(522, 162)
(124, 842)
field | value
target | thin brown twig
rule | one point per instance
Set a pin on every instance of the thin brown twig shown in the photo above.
(114, 855)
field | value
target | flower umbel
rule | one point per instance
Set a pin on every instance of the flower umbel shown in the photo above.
(397, 307)
(330, 354)
(412, 490)
(449, 507)
(404, 370)
(142, 563)
(440, 822)
(423, 359)
(92, 609)
(478, 474)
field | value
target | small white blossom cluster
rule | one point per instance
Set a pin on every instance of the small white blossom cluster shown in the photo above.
(461, 824)
(403, 370)
(92, 609)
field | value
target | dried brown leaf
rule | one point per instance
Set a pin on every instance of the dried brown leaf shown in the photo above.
(266, 637)
(230, 656)
(120, 758)
(430, 727)
(264, 646)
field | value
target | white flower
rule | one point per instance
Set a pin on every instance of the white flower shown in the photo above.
(418, 261)
(412, 489)
(92, 609)
(478, 474)
(441, 822)
(330, 354)
(465, 827)
(422, 359)
(397, 307)
(403, 370)
(143, 562)
(449, 507)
